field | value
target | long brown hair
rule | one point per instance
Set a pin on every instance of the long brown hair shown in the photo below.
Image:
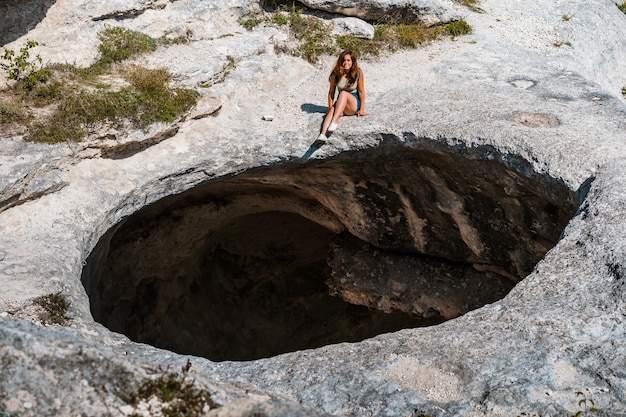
(352, 75)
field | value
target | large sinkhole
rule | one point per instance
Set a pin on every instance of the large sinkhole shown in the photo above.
(314, 252)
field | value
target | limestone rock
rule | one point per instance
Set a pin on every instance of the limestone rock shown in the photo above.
(52, 372)
(428, 12)
(29, 171)
(353, 26)
(421, 286)
(533, 95)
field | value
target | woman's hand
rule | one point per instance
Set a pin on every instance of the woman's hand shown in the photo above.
(362, 113)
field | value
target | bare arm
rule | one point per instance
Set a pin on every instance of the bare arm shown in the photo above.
(360, 88)
(331, 95)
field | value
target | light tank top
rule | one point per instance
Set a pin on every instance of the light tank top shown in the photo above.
(342, 84)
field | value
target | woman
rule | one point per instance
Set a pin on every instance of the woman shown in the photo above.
(347, 79)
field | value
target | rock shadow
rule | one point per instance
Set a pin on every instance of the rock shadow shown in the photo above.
(18, 17)
(314, 147)
(313, 108)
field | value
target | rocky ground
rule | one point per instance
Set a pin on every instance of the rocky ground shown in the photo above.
(536, 80)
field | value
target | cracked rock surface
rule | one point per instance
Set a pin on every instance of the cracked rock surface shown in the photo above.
(538, 91)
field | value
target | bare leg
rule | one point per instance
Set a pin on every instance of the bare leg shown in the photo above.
(346, 105)
(327, 120)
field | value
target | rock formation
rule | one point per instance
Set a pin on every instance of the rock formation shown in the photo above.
(429, 12)
(482, 223)
(489, 167)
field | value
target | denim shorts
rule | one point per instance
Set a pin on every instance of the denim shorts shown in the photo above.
(358, 101)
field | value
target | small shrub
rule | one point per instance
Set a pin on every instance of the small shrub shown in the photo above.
(313, 35)
(622, 7)
(251, 22)
(35, 78)
(55, 131)
(280, 19)
(22, 68)
(454, 29)
(148, 99)
(411, 36)
(55, 306)
(315, 44)
(118, 44)
(148, 80)
(166, 40)
(404, 36)
(48, 93)
(361, 47)
(158, 103)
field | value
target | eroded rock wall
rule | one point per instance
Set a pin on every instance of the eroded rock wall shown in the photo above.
(416, 228)
(428, 12)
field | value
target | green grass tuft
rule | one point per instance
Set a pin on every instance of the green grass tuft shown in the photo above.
(11, 112)
(118, 44)
(158, 102)
(454, 29)
(251, 22)
(361, 47)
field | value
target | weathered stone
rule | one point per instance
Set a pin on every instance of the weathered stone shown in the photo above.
(421, 286)
(428, 12)
(353, 26)
(507, 93)
(100, 379)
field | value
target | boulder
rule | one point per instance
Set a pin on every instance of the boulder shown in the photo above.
(353, 26)
(428, 12)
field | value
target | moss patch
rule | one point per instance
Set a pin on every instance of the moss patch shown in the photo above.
(173, 396)
(55, 308)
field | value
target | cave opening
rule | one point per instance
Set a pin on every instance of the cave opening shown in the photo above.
(310, 253)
